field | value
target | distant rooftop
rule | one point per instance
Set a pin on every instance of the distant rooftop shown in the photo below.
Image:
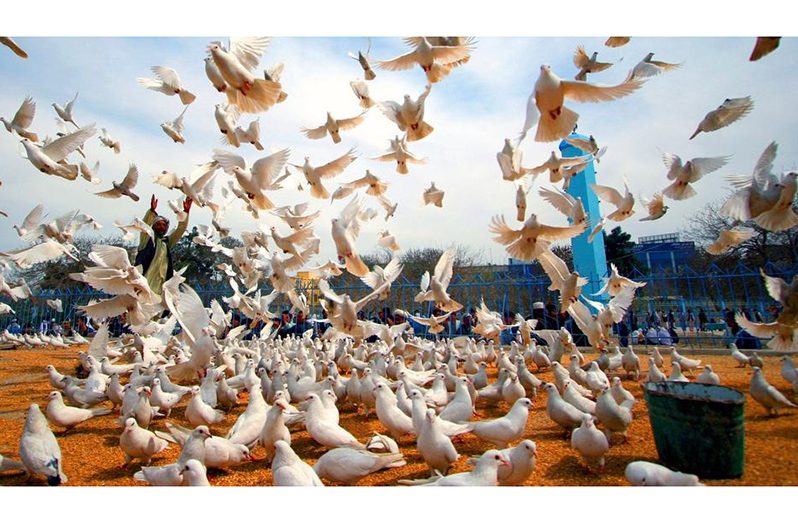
(659, 238)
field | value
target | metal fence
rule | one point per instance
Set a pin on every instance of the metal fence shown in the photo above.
(506, 289)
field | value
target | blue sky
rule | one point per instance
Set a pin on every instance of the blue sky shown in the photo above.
(472, 110)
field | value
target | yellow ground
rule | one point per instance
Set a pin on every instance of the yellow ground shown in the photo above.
(92, 456)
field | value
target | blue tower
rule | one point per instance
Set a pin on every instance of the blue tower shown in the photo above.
(590, 260)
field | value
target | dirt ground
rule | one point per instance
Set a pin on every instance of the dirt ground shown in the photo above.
(92, 455)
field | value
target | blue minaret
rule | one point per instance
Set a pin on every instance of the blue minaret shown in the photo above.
(590, 260)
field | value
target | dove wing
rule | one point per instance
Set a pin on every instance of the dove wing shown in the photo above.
(228, 160)
(59, 149)
(109, 308)
(132, 177)
(326, 290)
(335, 167)
(24, 116)
(445, 268)
(167, 75)
(400, 63)
(315, 133)
(551, 232)
(99, 343)
(110, 193)
(110, 256)
(561, 201)
(504, 233)
(265, 169)
(191, 313)
(33, 218)
(702, 166)
(248, 50)
(351, 123)
(777, 288)
(580, 57)
(608, 194)
(275, 71)
(586, 92)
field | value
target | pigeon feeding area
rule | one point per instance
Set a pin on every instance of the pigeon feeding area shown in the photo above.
(92, 456)
(303, 371)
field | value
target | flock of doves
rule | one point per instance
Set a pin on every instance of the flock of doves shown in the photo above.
(434, 398)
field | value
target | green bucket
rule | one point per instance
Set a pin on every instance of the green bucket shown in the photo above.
(698, 429)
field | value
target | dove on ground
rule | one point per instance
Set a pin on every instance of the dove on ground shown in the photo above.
(647, 474)
(39, 450)
(288, 470)
(68, 417)
(348, 466)
(767, 395)
(590, 442)
(139, 443)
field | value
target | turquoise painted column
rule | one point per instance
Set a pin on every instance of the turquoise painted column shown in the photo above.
(590, 260)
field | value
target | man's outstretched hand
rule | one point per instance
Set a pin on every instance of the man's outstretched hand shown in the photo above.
(187, 204)
(153, 203)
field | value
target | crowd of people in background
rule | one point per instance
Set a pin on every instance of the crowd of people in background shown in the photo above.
(657, 327)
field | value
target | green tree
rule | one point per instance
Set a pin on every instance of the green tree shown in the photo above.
(619, 249)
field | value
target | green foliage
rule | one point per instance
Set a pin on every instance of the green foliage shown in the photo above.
(619, 249)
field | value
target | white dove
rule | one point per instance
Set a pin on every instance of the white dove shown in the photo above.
(569, 206)
(125, 187)
(250, 135)
(624, 203)
(616, 283)
(48, 159)
(432, 195)
(333, 127)
(398, 152)
(656, 207)
(39, 450)
(288, 469)
(727, 239)
(108, 141)
(175, 128)
(261, 177)
(409, 115)
(546, 103)
(683, 174)
(168, 83)
(22, 120)
(647, 474)
(731, 110)
(533, 238)
(433, 288)
(236, 64)
(314, 175)
(361, 90)
(65, 113)
(588, 64)
(648, 67)
(432, 59)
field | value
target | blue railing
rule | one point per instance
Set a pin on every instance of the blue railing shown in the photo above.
(505, 288)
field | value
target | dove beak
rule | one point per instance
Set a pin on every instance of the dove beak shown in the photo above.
(505, 462)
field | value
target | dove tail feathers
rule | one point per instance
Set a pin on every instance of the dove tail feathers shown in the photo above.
(419, 132)
(182, 372)
(260, 97)
(369, 74)
(695, 133)
(401, 168)
(677, 192)
(776, 220)
(438, 72)
(319, 191)
(552, 128)
(186, 97)
(355, 266)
